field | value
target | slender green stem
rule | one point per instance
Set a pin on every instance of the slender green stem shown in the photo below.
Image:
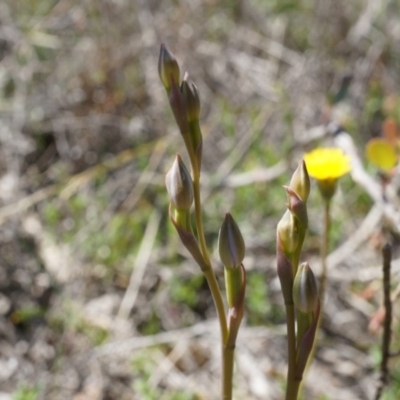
(227, 352)
(209, 273)
(292, 391)
(227, 370)
(325, 250)
(199, 219)
(292, 384)
(322, 279)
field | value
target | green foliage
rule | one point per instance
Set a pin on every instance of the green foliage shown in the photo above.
(106, 240)
(52, 214)
(257, 303)
(228, 119)
(393, 391)
(185, 290)
(25, 314)
(151, 326)
(26, 393)
(143, 366)
(70, 318)
(324, 397)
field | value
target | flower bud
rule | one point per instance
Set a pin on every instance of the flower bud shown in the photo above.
(191, 99)
(179, 185)
(231, 243)
(327, 188)
(285, 272)
(288, 233)
(168, 68)
(298, 208)
(305, 292)
(300, 181)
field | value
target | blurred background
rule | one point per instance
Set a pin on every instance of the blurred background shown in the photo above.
(98, 298)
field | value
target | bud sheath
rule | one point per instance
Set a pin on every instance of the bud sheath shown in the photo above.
(191, 99)
(305, 291)
(231, 243)
(179, 185)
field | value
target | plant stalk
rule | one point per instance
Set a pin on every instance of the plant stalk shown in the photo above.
(322, 279)
(293, 385)
(325, 250)
(227, 354)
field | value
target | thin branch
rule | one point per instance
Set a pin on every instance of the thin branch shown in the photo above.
(387, 324)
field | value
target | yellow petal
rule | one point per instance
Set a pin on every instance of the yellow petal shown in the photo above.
(327, 163)
(381, 153)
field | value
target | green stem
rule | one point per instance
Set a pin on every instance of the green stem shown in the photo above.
(322, 279)
(293, 390)
(292, 384)
(324, 250)
(209, 274)
(227, 358)
(227, 370)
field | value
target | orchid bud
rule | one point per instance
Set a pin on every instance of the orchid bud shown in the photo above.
(288, 233)
(231, 243)
(168, 68)
(179, 185)
(305, 291)
(300, 181)
(191, 99)
(285, 271)
(298, 208)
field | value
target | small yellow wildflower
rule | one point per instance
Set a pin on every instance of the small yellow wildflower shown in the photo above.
(327, 163)
(382, 153)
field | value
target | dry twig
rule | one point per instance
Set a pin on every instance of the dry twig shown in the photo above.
(387, 325)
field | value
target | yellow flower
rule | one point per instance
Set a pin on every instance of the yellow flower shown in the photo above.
(327, 163)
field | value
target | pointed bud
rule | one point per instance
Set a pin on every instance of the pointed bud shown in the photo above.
(285, 272)
(231, 243)
(300, 181)
(168, 68)
(179, 185)
(305, 292)
(178, 107)
(288, 232)
(191, 99)
(298, 208)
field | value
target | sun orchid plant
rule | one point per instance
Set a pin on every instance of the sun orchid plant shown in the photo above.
(184, 190)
